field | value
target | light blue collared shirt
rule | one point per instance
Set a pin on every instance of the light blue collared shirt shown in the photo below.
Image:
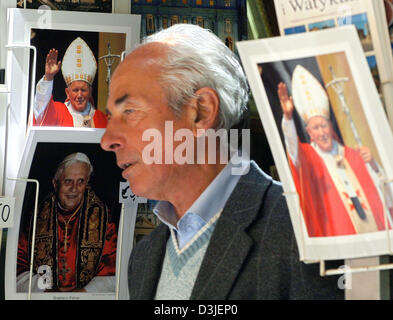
(210, 202)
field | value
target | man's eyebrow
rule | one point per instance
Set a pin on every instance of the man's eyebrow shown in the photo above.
(121, 99)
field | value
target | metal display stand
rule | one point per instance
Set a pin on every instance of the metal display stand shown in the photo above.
(34, 228)
(24, 46)
(3, 173)
(120, 239)
(4, 140)
(121, 222)
(332, 272)
(8, 109)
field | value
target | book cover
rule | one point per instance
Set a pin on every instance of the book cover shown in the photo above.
(368, 16)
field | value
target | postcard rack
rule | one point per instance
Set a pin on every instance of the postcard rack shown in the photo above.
(8, 108)
(120, 236)
(340, 271)
(34, 228)
(19, 48)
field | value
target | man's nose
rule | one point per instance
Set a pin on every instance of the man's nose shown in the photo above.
(73, 186)
(111, 140)
(320, 131)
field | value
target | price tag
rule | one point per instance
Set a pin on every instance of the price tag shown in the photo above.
(7, 205)
(126, 196)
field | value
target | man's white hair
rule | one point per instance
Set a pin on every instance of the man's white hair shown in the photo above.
(197, 58)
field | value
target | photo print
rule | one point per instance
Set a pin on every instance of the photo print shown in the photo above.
(76, 231)
(329, 136)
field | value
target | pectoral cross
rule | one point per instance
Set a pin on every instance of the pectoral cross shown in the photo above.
(86, 122)
(66, 223)
(64, 270)
(65, 238)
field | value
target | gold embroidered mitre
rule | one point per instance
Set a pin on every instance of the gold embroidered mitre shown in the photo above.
(309, 96)
(79, 63)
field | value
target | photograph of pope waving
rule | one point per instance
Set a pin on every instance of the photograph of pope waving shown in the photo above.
(337, 185)
(79, 68)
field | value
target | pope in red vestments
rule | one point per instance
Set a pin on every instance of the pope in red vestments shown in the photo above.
(75, 241)
(79, 68)
(337, 185)
(57, 114)
(325, 209)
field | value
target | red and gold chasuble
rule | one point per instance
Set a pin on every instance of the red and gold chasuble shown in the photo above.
(76, 246)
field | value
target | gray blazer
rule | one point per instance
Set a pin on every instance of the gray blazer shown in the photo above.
(252, 253)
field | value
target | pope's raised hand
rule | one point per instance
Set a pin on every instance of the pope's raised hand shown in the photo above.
(285, 101)
(367, 157)
(365, 153)
(52, 66)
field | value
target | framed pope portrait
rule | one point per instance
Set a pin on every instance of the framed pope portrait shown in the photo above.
(69, 240)
(103, 35)
(95, 42)
(330, 140)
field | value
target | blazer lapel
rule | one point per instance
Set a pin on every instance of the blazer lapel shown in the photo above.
(152, 263)
(230, 243)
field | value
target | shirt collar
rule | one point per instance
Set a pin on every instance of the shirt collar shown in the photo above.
(212, 199)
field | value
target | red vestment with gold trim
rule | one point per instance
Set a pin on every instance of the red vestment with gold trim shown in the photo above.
(323, 210)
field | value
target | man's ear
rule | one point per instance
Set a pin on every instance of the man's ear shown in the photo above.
(66, 92)
(207, 109)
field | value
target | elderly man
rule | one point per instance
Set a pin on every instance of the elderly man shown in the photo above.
(337, 185)
(73, 236)
(79, 68)
(223, 236)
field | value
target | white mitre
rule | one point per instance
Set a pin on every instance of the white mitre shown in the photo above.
(79, 63)
(308, 95)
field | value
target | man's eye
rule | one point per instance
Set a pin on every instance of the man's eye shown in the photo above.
(128, 111)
